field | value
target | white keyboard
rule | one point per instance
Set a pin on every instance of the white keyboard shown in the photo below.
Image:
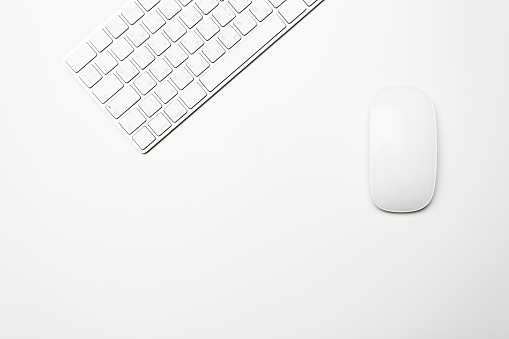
(156, 62)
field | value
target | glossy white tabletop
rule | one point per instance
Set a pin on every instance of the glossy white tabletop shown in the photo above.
(254, 219)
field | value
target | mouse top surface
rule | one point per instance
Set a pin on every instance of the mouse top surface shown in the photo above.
(403, 149)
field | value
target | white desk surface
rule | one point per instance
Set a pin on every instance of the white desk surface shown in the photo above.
(254, 219)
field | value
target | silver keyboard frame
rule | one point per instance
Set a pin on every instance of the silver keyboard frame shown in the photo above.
(209, 94)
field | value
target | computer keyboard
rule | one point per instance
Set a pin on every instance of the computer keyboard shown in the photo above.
(156, 62)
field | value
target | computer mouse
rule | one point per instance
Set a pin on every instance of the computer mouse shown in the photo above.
(403, 149)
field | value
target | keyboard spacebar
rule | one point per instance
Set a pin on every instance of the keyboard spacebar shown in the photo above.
(240, 54)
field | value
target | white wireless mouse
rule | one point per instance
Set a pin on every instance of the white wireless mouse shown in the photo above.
(403, 149)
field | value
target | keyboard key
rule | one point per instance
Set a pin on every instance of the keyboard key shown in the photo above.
(159, 43)
(213, 51)
(160, 69)
(208, 28)
(132, 13)
(138, 35)
(116, 27)
(143, 138)
(81, 57)
(245, 23)
(148, 4)
(165, 92)
(90, 76)
(240, 5)
(169, 8)
(192, 42)
(292, 9)
(175, 30)
(261, 10)
(206, 6)
(242, 53)
(122, 49)
(106, 63)
(122, 102)
(127, 71)
(150, 105)
(276, 3)
(190, 16)
(159, 124)
(100, 40)
(107, 88)
(132, 120)
(175, 111)
(181, 78)
(198, 65)
(142, 57)
(193, 95)
(229, 37)
(153, 21)
(144, 83)
(176, 56)
(223, 14)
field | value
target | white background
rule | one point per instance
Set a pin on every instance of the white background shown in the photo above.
(253, 219)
